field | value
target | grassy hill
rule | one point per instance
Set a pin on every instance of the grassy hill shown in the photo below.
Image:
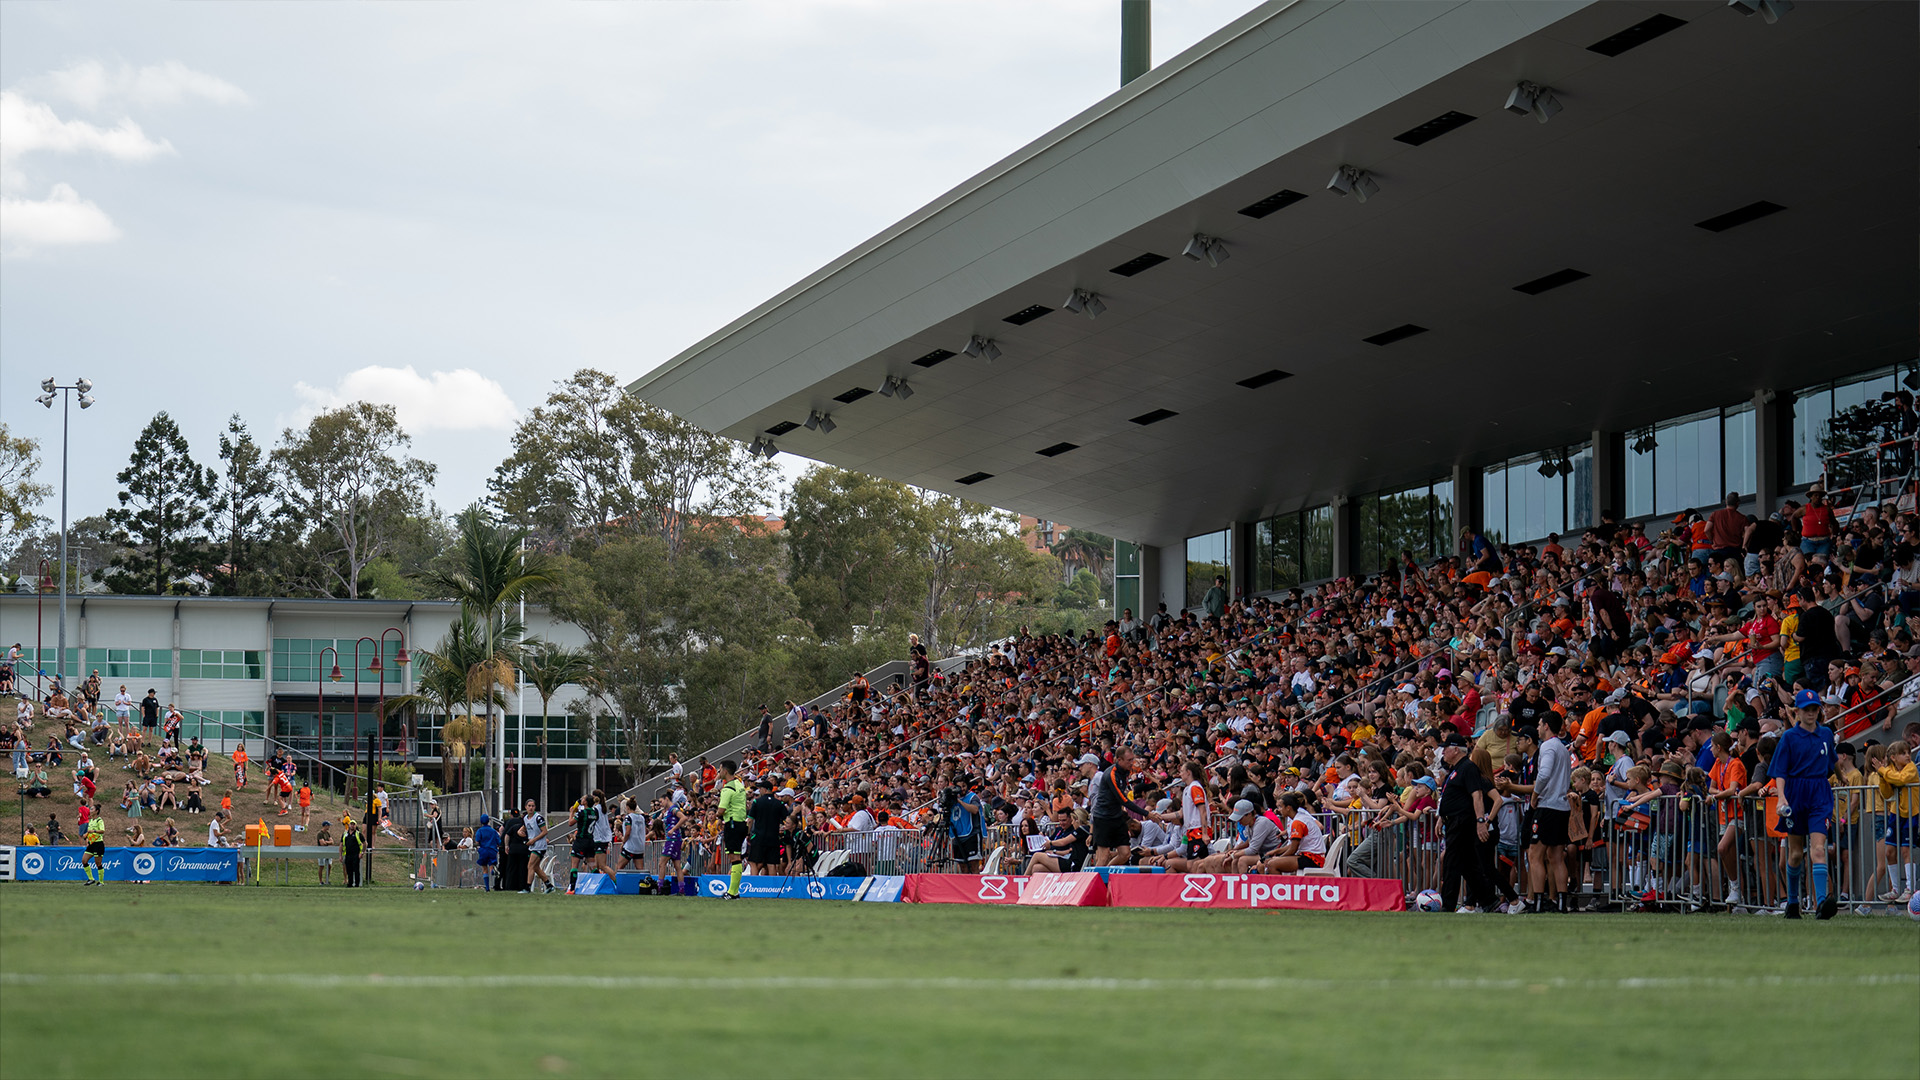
(249, 805)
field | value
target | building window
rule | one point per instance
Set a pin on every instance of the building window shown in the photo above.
(112, 664)
(1815, 408)
(221, 664)
(301, 660)
(1206, 560)
(213, 725)
(1418, 519)
(1691, 462)
(1526, 498)
(1293, 549)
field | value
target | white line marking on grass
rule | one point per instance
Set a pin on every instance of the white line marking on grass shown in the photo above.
(826, 982)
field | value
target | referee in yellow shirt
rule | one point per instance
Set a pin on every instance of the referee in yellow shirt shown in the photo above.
(733, 823)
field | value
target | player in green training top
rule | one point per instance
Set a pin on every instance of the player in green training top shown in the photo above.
(95, 860)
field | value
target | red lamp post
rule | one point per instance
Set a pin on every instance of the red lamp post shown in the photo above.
(320, 721)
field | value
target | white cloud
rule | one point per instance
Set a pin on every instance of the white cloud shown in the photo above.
(63, 217)
(93, 86)
(28, 126)
(460, 400)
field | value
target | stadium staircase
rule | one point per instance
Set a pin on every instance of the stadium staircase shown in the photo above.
(560, 833)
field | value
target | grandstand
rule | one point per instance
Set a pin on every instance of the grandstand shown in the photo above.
(1441, 313)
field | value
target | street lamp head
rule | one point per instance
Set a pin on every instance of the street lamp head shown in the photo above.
(403, 659)
(335, 675)
(85, 386)
(86, 401)
(374, 664)
(47, 385)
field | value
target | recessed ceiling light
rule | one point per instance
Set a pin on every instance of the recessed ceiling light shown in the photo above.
(1733, 218)
(1057, 449)
(1027, 314)
(1398, 333)
(974, 478)
(1265, 378)
(1550, 281)
(1636, 35)
(1137, 264)
(851, 396)
(934, 357)
(1434, 128)
(782, 427)
(1273, 203)
(1154, 417)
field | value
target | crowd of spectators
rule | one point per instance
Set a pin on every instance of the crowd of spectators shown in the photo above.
(1247, 734)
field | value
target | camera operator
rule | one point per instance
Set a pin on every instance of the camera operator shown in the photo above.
(961, 805)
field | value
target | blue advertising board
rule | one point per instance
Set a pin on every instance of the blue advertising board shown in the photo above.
(129, 864)
(784, 888)
(884, 889)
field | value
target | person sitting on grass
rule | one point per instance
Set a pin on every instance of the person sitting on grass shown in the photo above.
(170, 837)
(135, 836)
(29, 838)
(37, 785)
(128, 797)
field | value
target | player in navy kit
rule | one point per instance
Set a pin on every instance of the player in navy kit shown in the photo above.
(1803, 762)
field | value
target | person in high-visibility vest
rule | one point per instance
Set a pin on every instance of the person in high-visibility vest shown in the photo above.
(733, 824)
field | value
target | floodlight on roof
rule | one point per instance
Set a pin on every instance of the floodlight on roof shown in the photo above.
(85, 386)
(86, 401)
(826, 424)
(1532, 99)
(47, 384)
(1548, 468)
(1357, 182)
(982, 348)
(896, 386)
(1210, 248)
(813, 420)
(767, 449)
(1085, 303)
(1770, 10)
(46, 399)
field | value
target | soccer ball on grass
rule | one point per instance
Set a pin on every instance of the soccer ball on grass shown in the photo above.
(1428, 900)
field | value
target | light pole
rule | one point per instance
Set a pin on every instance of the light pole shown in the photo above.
(52, 389)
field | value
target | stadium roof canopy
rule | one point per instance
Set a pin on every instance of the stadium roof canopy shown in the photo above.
(1681, 122)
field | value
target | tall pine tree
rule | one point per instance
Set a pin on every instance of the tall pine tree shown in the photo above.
(242, 511)
(161, 521)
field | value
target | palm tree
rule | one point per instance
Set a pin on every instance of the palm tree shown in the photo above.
(445, 682)
(548, 667)
(492, 569)
(1080, 547)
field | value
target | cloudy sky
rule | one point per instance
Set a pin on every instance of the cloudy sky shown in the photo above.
(271, 209)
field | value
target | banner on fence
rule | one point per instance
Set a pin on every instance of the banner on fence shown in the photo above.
(1258, 891)
(129, 864)
(763, 887)
(1065, 890)
(963, 889)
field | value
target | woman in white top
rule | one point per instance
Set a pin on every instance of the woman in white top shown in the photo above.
(633, 849)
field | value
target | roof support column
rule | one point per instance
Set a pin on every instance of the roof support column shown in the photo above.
(1240, 560)
(1609, 475)
(1772, 422)
(1468, 505)
(1342, 509)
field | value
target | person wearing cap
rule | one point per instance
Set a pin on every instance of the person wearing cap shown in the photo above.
(1803, 760)
(1259, 839)
(1620, 744)
(1468, 822)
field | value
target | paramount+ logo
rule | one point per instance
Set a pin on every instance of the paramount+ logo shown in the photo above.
(1241, 889)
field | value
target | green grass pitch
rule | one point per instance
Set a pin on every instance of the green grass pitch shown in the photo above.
(200, 981)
